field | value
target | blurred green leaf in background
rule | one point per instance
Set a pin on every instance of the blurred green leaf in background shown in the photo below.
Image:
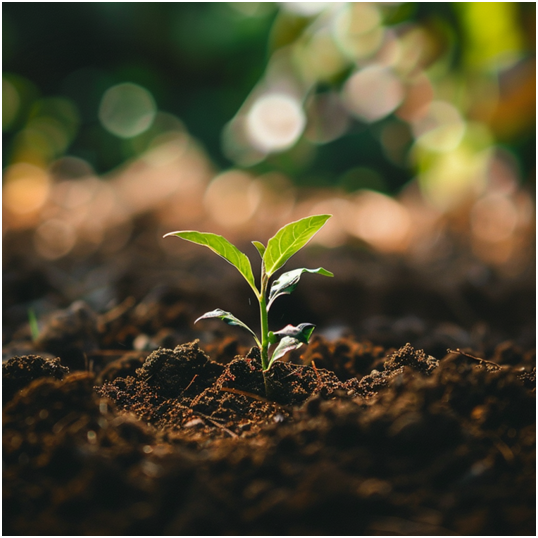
(353, 95)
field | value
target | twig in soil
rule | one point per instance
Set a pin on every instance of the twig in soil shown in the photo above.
(88, 363)
(244, 393)
(63, 422)
(192, 381)
(503, 448)
(458, 350)
(319, 383)
(294, 372)
(117, 311)
(215, 423)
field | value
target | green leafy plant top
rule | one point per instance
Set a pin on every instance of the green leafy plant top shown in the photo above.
(280, 248)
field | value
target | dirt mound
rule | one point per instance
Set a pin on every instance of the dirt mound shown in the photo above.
(189, 446)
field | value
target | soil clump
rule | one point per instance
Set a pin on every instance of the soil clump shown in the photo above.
(185, 445)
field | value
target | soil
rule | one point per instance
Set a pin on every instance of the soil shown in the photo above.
(411, 412)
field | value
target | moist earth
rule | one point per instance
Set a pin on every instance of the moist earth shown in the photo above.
(349, 438)
(117, 421)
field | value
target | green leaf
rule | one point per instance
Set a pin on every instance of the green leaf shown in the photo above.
(260, 247)
(290, 239)
(301, 333)
(230, 319)
(290, 338)
(288, 343)
(223, 248)
(287, 282)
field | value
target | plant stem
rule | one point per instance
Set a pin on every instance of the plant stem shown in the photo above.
(264, 321)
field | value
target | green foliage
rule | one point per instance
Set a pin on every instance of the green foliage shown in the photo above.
(228, 318)
(288, 343)
(287, 282)
(290, 338)
(301, 333)
(221, 246)
(260, 247)
(34, 327)
(289, 240)
(280, 248)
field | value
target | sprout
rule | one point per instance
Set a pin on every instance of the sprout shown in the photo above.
(280, 248)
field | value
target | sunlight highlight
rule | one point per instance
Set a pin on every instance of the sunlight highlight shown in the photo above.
(372, 93)
(26, 188)
(230, 199)
(127, 110)
(275, 122)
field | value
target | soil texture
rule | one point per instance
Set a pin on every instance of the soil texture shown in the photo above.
(412, 411)
(187, 446)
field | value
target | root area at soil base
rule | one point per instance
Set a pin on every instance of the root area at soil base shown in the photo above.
(350, 439)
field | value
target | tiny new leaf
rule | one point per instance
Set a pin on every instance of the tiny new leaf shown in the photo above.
(290, 239)
(260, 247)
(221, 246)
(300, 333)
(228, 318)
(288, 343)
(287, 282)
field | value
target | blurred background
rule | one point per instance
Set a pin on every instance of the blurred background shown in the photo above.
(413, 123)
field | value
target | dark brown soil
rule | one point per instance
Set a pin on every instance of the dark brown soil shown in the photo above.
(184, 445)
(117, 420)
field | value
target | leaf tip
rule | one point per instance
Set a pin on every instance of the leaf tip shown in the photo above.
(170, 234)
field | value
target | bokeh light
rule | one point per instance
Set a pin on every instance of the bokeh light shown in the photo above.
(373, 92)
(231, 198)
(327, 118)
(25, 189)
(493, 218)
(357, 29)
(275, 122)
(406, 121)
(127, 110)
(10, 103)
(306, 9)
(54, 239)
(379, 220)
(491, 29)
(441, 128)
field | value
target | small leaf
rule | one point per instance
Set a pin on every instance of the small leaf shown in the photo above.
(290, 239)
(228, 318)
(260, 247)
(287, 282)
(288, 343)
(291, 338)
(301, 333)
(221, 246)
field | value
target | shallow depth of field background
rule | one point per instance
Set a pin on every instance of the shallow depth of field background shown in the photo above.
(412, 123)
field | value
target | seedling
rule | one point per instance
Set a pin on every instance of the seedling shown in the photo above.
(280, 248)
(34, 327)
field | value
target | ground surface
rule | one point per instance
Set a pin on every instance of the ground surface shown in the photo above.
(118, 420)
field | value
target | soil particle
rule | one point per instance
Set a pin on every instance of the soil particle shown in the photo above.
(122, 367)
(408, 356)
(19, 372)
(70, 334)
(185, 369)
(346, 357)
(183, 445)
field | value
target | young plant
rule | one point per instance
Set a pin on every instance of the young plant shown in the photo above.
(34, 326)
(280, 248)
